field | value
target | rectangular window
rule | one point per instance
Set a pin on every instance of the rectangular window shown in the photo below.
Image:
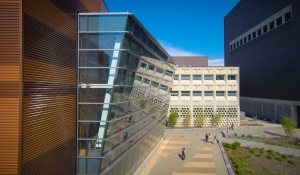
(220, 77)
(159, 70)
(271, 24)
(169, 73)
(138, 78)
(220, 93)
(185, 93)
(163, 87)
(196, 77)
(231, 93)
(151, 67)
(185, 77)
(208, 77)
(265, 28)
(208, 93)
(254, 35)
(197, 93)
(258, 32)
(241, 42)
(174, 93)
(175, 77)
(287, 16)
(146, 81)
(154, 84)
(279, 21)
(237, 44)
(245, 39)
(144, 65)
(230, 47)
(133, 46)
(234, 45)
(231, 77)
(249, 37)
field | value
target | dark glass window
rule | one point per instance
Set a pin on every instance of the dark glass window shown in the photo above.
(196, 77)
(163, 87)
(231, 77)
(254, 35)
(287, 16)
(146, 81)
(220, 93)
(159, 70)
(230, 47)
(169, 73)
(144, 65)
(220, 77)
(208, 77)
(265, 28)
(133, 46)
(231, 93)
(233, 45)
(174, 93)
(258, 32)
(237, 44)
(185, 77)
(279, 21)
(185, 93)
(196, 93)
(241, 42)
(175, 77)
(208, 93)
(249, 37)
(271, 24)
(154, 84)
(151, 67)
(138, 78)
(245, 40)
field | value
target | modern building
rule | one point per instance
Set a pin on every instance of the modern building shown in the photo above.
(205, 91)
(191, 61)
(124, 84)
(69, 101)
(262, 38)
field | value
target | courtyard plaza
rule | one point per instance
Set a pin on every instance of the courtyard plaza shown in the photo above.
(204, 158)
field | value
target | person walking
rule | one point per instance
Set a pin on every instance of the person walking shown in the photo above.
(183, 153)
(206, 137)
(209, 138)
(215, 139)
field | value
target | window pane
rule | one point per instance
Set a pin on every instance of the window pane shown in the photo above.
(287, 16)
(185, 77)
(208, 77)
(258, 32)
(196, 77)
(196, 93)
(271, 25)
(208, 93)
(254, 35)
(220, 77)
(146, 81)
(138, 78)
(279, 21)
(144, 65)
(245, 40)
(151, 67)
(154, 84)
(159, 70)
(163, 87)
(174, 93)
(185, 93)
(265, 28)
(175, 77)
(220, 93)
(231, 77)
(249, 37)
(231, 93)
(169, 73)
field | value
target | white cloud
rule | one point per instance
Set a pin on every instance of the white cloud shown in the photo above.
(216, 62)
(176, 51)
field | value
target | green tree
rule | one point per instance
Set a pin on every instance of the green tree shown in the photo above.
(141, 103)
(200, 119)
(216, 118)
(173, 118)
(187, 119)
(288, 125)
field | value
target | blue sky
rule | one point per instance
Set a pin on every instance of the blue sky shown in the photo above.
(183, 27)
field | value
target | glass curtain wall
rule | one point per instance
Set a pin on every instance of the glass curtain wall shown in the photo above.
(119, 118)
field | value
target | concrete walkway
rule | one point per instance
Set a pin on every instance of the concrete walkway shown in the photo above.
(205, 158)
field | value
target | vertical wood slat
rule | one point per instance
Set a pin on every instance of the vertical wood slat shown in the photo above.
(10, 85)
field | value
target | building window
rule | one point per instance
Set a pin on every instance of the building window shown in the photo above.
(265, 28)
(237, 44)
(159, 70)
(258, 32)
(245, 39)
(196, 93)
(231, 77)
(208, 77)
(185, 77)
(169, 73)
(254, 35)
(249, 37)
(287, 16)
(231, 93)
(208, 93)
(144, 65)
(271, 24)
(230, 47)
(241, 41)
(138, 78)
(174, 93)
(151, 67)
(133, 46)
(279, 21)
(196, 77)
(146, 81)
(220, 93)
(185, 93)
(154, 84)
(233, 45)
(220, 77)
(163, 87)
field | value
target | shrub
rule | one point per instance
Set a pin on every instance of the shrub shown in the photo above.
(250, 136)
(258, 155)
(284, 156)
(236, 145)
(262, 151)
(235, 134)
(249, 156)
(293, 162)
(271, 152)
(227, 145)
(252, 151)
(243, 135)
(249, 172)
(270, 157)
(279, 159)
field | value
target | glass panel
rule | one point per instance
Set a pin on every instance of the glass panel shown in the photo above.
(220, 93)
(88, 129)
(89, 148)
(146, 81)
(175, 77)
(196, 77)
(196, 93)
(120, 94)
(151, 67)
(169, 73)
(163, 87)
(208, 93)
(93, 95)
(231, 77)
(83, 23)
(133, 63)
(99, 40)
(208, 77)
(159, 70)
(185, 77)
(154, 84)
(138, 78)
(185, 93)
(144, 65)
(93, 75)
(231, 93)
(287, 16)
(271, 25)
(279, 21)
(107, 22)
(220, 77)
(174, 93)
(258, 32)
(94, 58)
(90, 111)
(265, 28)
(124, 60)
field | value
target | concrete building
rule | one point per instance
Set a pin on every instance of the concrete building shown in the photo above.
(262, 38)
(205, 90)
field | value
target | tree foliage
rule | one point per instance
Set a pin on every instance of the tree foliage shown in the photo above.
(173, 118)
(142, 103)
(187, 119)
(216, 118)
(288, 125)
(200, 119)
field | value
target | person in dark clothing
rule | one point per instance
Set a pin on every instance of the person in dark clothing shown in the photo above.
(126, 135)
(206, 137)
(183, 153)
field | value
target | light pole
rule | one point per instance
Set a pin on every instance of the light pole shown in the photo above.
(227, 121)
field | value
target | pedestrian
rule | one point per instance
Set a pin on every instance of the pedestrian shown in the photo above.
(215, 139)
(126, 135)
(206, 137)
(183, 153)
(209, 137)
(232, 125)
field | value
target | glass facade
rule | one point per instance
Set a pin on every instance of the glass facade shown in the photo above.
(120, 105)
